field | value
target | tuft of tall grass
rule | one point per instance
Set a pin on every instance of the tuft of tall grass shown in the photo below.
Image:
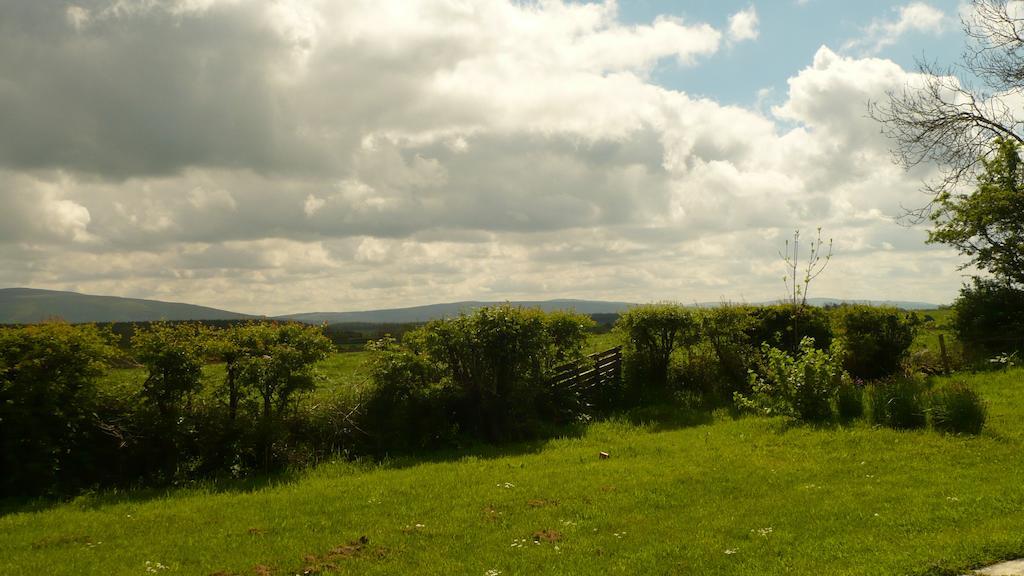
(898, 403)
(957, 408)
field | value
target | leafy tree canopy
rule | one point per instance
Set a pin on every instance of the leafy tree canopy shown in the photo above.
(988, 224)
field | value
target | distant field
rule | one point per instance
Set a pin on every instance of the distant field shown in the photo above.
(711, 495)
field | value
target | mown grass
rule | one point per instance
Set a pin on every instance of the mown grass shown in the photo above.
(733, 496)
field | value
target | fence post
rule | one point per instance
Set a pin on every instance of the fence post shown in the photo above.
(945, 357)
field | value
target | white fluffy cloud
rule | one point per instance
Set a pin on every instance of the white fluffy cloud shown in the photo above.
(913, 17)
(350, 154)
(743, 25)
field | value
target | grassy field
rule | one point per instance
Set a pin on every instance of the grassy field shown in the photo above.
(706, 495)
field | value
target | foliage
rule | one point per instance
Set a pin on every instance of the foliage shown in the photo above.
(489, 368)
(986, 225)
(406, 410)
(898, 403)
(567, 335)
(877, 339)
(275, 361)
(989, 319)
(47, 401)
(957, 408)
(775, 325)
(652, 332)
(173, 355)
(727, 329)
(803, 386)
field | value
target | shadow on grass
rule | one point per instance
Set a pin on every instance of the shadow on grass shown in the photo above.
(479, 449)
(657, 418)
(666, 417)
(109, 496)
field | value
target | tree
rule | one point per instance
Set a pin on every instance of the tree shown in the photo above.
(988, 224)
(173, 355)
(277, 361)
(236, 346)
(948, 122)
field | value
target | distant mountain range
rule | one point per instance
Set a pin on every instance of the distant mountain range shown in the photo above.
(27, 305)
(435, 311)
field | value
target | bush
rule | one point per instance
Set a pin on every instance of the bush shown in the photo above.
(898, 403)
(407, 409)
(989, 319)
(876, 339)
(958, 409)
(726, 329)
(486, 371)
(48, 435)
(652, 333)
(802, 387)
(775, 325)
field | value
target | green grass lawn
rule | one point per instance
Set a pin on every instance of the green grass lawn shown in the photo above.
(747, 496)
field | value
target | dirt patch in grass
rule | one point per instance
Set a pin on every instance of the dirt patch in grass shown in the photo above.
(547, 535)
(541, 503)
(314, 564)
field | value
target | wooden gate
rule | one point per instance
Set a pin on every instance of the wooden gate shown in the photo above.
(589, 374)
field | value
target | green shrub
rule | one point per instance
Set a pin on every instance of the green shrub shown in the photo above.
(406, 409)
(958, 409)
(876, 339)
(785, 327)
(989, 319)
(567, 334)
(802, 387)
(49, 440)
(898, 403)
(487, 370)
(653, 333)
(727, 330)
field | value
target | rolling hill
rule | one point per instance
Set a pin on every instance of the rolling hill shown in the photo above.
(589, 307)
(435, 311)
(28, 305)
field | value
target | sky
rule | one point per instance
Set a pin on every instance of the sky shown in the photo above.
(287, 156)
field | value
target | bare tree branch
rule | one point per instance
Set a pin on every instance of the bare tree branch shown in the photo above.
(945, 120)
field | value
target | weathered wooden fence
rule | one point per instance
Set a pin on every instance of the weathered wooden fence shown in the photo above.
(590, 374)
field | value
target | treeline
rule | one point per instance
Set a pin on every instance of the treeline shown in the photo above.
(61, 431)
(344, 335)
(483, 376)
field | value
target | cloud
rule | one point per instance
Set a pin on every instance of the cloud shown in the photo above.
(354, 154)
(916, 17)
(743, 25)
